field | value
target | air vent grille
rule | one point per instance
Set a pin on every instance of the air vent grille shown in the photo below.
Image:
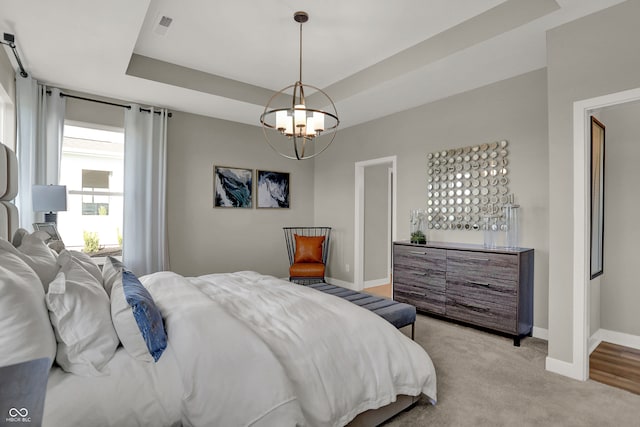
(165, 21)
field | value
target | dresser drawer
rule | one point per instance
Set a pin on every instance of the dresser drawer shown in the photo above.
(482, 266)
(427, 279)
(419, 259)
(492, 304)
(426, 293)
(419, 277)
(424, 301)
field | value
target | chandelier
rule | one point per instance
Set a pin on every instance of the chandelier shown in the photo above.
(300, 127)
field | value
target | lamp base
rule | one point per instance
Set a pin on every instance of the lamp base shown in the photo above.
(51, 217)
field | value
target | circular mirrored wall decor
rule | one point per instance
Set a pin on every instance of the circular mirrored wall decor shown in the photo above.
(474, 170)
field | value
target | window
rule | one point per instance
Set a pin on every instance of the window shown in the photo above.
(2, 108)
(7, 119)
(92, 168)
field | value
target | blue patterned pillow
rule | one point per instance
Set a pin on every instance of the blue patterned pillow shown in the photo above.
(136, 318)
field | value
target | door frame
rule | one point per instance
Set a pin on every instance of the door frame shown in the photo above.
(581, 225)
(358, 244)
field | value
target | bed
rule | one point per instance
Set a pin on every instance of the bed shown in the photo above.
(239, 349)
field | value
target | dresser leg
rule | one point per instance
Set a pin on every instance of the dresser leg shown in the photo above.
(516, 341)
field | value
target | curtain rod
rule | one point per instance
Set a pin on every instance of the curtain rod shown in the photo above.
(9, 40)
(128, 107)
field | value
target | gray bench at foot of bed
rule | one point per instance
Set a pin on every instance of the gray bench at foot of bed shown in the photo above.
(398, 314)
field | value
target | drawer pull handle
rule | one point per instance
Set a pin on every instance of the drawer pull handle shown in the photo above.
(413, 293)
(478, 259)
(417, 252)
(420, 273)
(473, 307)
(486, 285)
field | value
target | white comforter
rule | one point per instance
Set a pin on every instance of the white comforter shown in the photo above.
(246, 349)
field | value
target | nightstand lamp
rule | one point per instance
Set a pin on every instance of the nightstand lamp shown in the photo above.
(51, 199)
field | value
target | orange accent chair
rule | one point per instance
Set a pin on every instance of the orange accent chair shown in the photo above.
(308, 250)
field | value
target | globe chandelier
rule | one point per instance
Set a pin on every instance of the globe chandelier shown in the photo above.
(295, 126)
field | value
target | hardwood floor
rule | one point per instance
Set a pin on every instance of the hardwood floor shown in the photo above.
(381, 291)
(616, 366)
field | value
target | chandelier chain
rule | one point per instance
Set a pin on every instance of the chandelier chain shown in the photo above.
(300, 77)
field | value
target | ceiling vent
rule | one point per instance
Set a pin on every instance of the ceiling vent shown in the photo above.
(163, 25)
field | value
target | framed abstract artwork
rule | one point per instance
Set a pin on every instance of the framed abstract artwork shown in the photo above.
(232, 187)
(597, 197)
(272, 189)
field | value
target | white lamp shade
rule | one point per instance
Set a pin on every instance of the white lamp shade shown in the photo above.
(310, 130)
(300, 115)
(289, 126)
(281, 120)
(318, 121)
(49, 198)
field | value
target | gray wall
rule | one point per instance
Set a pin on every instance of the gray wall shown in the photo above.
(620, 287)
(207, 240)
(203, 239)
(376, 222)
(93, 112)
(589, 57)
(513, 109)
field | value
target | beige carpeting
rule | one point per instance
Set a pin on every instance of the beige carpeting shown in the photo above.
(483, 380)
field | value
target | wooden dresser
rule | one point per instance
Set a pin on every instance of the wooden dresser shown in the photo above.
(488, 288)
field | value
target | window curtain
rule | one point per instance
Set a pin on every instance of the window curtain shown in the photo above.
(40, 126)
(144, 241)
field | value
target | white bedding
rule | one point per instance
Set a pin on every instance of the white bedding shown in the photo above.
(249, 350)
(133, 394)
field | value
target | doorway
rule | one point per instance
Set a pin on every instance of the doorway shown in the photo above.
(581, 231)
(368, 175)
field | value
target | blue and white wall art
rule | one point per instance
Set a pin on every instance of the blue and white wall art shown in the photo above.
(232, 187)
(273, 189)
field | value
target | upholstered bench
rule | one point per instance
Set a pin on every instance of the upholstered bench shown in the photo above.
(398, 314)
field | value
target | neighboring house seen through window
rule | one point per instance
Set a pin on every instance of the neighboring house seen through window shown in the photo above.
(95, 192)
(92, 168)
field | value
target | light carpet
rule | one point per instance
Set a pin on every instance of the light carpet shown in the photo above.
(483, 380)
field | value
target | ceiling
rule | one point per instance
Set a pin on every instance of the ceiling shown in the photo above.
(224, 59)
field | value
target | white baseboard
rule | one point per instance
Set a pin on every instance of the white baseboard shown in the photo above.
(541, 333)
(595, 340)
(377, 282)
(339, 282)
(561, 367)
(619, 338)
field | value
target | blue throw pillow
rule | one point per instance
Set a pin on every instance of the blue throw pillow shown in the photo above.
(146, 314)
(136, 318)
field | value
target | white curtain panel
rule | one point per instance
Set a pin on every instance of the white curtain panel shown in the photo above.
(40, 120)
(144, 242)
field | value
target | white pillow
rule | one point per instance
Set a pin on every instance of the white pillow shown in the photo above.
(18, 235)
(80, 313)
(111, 269)
(25, 330)
(83, 259)
(35, 252)
(135, 316)
(56, 245)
